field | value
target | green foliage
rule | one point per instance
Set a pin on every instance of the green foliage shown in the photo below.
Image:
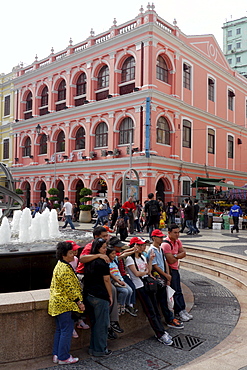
(53, 191)
(19, 191)
(84, 193)
(56, 205)
(53, 199)
(86, 207)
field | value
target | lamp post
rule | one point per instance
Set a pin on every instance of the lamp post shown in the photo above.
(38, 129)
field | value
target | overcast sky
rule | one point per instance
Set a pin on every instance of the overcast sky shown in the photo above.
(31, 27)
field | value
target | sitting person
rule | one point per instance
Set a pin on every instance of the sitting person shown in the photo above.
(138, 268)
(105, 225)
(124, 291)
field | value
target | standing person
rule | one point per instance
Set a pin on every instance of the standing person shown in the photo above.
(115, 210)
(196, 211)
(205, 212)
(171, 212)
(65, 298)
(129, 207)
(76, 211)
(137, 214)
(152, 211)
(138, 269)
(235, 212)
(122, 225)
(67, 208)
(182, 221)
(160, 268)
(40, 204)
(173, 249)
(189, 216)
(98, 298)
(86, 256)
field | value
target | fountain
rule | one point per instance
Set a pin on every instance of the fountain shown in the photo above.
(28, 249)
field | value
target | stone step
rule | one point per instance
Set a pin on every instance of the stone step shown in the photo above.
(218, 261)
(227, 256)
(222, 273)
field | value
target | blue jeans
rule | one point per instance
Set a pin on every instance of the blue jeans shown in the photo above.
(179, 304)
(189, 224)
(132, 285)
(124, 295)
(68, 220)
(63, 335)
(98, 310)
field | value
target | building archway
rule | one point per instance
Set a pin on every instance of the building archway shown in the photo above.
(60, 187)
(78, 188)
(27, 193)
(164, 190)
(43, 190)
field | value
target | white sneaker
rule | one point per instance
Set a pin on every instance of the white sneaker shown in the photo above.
(55, 359)
(188, 314)
(165, 339)
(70, 360)
(183, 316)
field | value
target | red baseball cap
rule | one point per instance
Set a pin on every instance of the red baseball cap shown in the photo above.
(74, 245)
(136, 240)
(157, 233)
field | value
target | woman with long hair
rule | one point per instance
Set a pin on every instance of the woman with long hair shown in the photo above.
(98, 298)
(138, 269)
(65, 298)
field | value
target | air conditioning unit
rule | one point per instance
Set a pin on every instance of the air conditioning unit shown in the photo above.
(92, 154)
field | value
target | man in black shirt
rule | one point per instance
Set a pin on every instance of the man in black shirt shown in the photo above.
(152, 211)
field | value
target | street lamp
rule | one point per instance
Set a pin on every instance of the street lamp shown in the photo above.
(38, 129)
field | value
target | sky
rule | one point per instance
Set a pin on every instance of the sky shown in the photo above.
(31, 27)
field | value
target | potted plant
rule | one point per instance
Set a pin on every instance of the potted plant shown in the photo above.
(54, 197)
(85, 209)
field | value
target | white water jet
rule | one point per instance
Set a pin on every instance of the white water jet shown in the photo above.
(53, 224)
(35, 229)
(5, 231)
(44, 224)
(25, 223)
(15, 224)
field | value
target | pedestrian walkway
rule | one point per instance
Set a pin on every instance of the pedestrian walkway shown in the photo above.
(215, 338)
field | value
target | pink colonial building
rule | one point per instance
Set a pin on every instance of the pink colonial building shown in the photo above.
(76, 111)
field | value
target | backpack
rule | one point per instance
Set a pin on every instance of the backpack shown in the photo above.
(153, 209)
(121, 223)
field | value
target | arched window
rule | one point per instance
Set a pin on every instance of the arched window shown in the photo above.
(60, 142)
(163, 131)
(161, 69)
(80, 139)
(128, 70)
(61, 91)
(27, 147)
(29, 101)
(81, 85)
(43, 144)
(101, 135)
(103, 78)
(44, 96)
(126, 130)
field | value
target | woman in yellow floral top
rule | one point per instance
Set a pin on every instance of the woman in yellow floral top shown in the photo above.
(65, 297)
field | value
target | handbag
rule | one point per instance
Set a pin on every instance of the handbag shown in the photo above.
(150, 284)
(170, 299)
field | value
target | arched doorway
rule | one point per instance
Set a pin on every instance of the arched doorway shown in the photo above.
(160, 190)
(43, 190)
(27, 193)
(60, 187)
(79, 186)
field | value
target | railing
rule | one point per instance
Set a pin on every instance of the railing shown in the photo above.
(43, 64)
(102, 39)
(164, 26)
(60, 56)
(128, 28)
(80, 48)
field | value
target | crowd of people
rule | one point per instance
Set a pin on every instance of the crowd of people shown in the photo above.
(102, 284)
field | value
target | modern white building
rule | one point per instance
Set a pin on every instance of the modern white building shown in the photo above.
(235, 44)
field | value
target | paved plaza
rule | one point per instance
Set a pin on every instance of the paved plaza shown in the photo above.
(214, 307)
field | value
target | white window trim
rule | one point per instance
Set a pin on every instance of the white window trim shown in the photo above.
(215, 92)
(207, 154)
(186, 61)
(234, 150)
(182, 179)
(181, 143)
